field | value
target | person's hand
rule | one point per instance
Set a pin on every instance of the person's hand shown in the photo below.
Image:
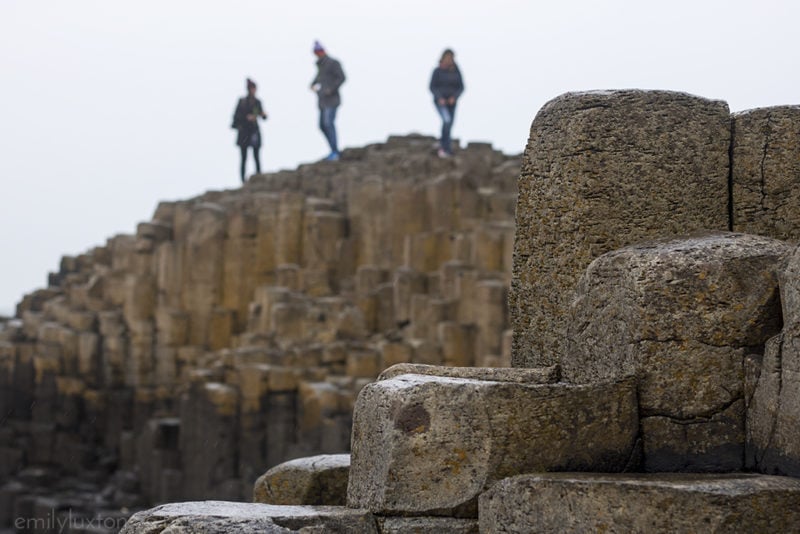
(264, 116)
(316, 87)
(452, 101)
(251, 117)
(442, 101)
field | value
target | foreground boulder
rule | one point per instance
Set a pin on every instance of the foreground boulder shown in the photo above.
(245, 518)
(316, 480)
(584, 502)
(682, 315)
(603, 170)
(773, 416)
(428, 445)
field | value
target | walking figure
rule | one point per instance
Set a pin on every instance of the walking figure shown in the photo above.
(245, 120)
(446, 86)
(330, 77)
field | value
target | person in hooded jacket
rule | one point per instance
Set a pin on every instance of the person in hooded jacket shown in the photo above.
(446, 86)
(245, 120)
(329, 78)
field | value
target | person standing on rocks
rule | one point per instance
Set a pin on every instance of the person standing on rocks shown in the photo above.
(330, 77)
(245, 120)
(446, 86)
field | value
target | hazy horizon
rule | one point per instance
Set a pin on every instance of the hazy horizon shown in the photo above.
(109, 108)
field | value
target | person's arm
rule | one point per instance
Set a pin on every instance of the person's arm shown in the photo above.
(340, 77)
(336, 78)
(237, 115)
(436, 86)
(459, 86)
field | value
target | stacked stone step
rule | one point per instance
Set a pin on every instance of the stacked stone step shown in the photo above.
(233, 331)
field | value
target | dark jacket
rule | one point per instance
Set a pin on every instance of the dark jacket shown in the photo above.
(249, 134)
(330, 77)
(446, 83)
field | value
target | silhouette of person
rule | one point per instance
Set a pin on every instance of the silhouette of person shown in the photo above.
(245, 120)
(446, 86)
(330, 77)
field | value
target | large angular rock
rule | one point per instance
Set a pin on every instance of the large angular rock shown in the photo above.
(773, 415)
(221, 517)
(766, 172)
(583, 502)
(315, 480)
(681, 315)
(603, 170)
(427, 445)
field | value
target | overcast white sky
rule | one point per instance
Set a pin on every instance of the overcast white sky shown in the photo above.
(107, 107)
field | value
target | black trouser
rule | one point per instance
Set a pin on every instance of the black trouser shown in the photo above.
(244, 158)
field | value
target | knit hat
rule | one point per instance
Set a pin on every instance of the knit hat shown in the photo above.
(318, 47)
(251, 83)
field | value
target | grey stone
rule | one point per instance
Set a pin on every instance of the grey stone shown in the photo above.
(681, 315)
(766, 172)
(773, 414)
(428, 445)
(219, 517)
(427, 525)
(315, 480)
(603, 170)
(581, 502)
(539, 375)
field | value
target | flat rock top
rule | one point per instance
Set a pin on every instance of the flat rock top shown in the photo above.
(239, 510)
(321, 461)
(604, 98)
(536, 375)
(732, 484)
(725, 244)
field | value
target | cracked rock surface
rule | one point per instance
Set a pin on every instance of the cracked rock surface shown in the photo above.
(766, 172)
(603, 170)
(773, 415)
(681, 315)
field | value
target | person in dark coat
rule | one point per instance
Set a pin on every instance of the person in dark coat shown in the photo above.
(245, 120)
(330, 77)
(446, 86)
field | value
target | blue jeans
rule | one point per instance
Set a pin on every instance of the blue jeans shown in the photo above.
(326, 118)
(447, 113)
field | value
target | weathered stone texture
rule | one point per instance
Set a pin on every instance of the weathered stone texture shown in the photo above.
(585, 502)
(604, 170)
(424, 525)
(244, 518)
(316, 480)
(766, 172)
(773, 414)
(428, 445)
(681, 315)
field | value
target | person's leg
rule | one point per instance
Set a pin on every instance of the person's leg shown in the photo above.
(323, 124)
(256, 156)
(452, 109)
(243, 150)
(447, 121)
(327, 118)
